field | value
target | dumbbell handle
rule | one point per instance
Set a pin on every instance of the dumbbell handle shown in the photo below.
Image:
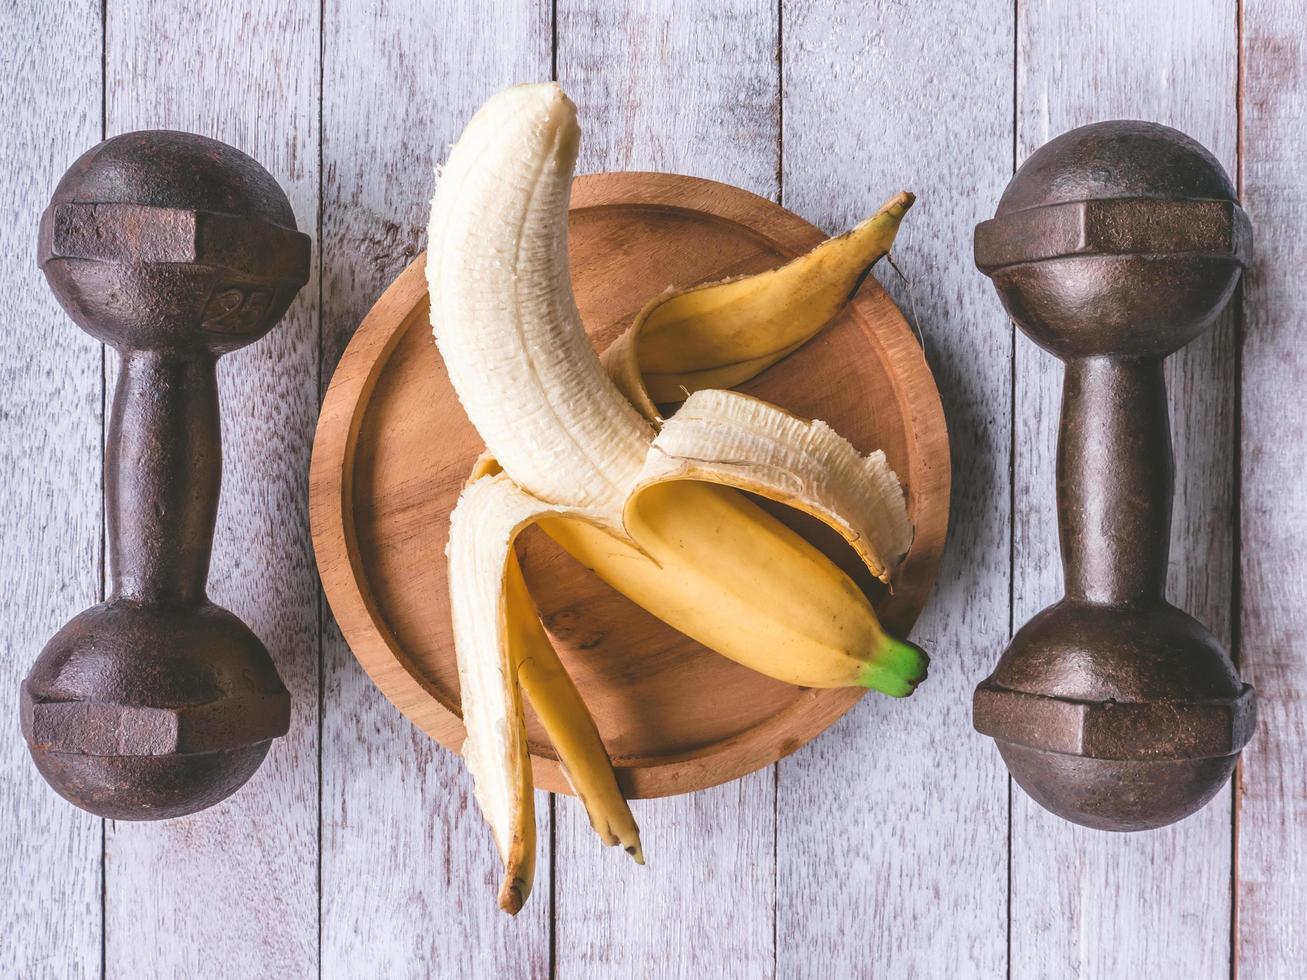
(163, 470)
(1115, 477)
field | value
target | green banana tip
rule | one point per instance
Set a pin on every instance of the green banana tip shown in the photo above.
(896, 669)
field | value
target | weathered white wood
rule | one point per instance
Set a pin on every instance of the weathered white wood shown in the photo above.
(888, 831)
(693, 88)
(50, 465)
(232, 891)
(892, 839)
(409, 871)
(1272, 815)
(1086, 903)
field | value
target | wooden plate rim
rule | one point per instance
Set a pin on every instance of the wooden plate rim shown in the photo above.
(344, 580)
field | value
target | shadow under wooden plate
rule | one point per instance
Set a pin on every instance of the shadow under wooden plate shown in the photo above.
(393, 449)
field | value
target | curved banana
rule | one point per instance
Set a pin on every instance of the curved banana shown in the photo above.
(655, 517)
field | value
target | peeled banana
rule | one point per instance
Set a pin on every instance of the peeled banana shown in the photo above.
(649, 504)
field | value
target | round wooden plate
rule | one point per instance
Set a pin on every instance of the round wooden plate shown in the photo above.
(393, 449)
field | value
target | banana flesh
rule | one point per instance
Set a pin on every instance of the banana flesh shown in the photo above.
(503, 314)
(652, 512)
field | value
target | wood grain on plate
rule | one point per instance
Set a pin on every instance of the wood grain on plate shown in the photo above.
(393, 451)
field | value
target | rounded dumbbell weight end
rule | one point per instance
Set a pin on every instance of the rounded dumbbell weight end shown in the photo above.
(1117, 718)
(168, 240)
(1119, 238)
(143, 712)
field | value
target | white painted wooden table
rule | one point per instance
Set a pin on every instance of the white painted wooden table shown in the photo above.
(893, 846)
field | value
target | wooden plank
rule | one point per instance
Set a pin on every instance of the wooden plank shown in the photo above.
(232, 891)
(1272, 814)
(1086, 903)
(50, 467)
(672, 85)
(876, 877)
(409, 871)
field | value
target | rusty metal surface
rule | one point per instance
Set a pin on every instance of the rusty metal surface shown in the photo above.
(1113, 246)
(174, 249)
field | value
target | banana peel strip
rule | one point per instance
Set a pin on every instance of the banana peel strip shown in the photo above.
(722, 334)
(575, 737)
(734, 439)
(482, 528)
(501, 646)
